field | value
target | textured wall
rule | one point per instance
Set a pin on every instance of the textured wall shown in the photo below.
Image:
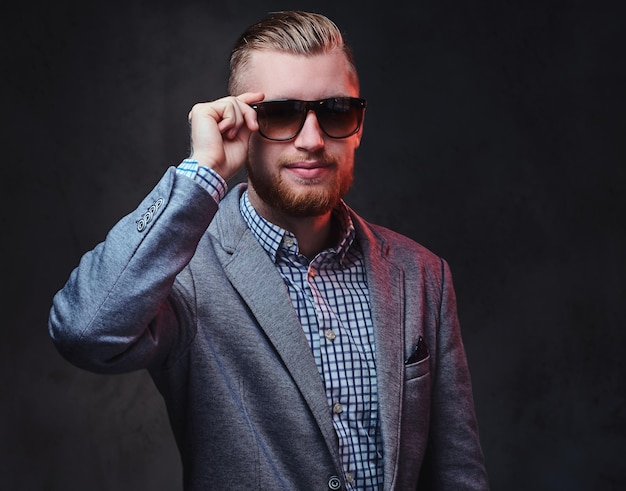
(494, 135)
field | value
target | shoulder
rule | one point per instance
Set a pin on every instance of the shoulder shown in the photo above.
(404, 252)
(401, 243)
(397, 243)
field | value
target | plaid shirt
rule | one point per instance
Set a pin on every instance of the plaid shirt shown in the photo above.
(331, 297)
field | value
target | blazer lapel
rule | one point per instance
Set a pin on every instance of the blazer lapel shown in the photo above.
(386, 286)
(273, 310)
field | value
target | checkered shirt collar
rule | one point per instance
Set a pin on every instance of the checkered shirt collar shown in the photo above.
(272, 237)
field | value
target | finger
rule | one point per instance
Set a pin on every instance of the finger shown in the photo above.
(250, 97)
(248, 113)
(240, 113)
(231, 119)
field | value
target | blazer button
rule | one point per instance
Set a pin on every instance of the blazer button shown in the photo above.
(334, 483)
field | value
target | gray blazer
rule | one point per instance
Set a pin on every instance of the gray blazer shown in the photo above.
(185, 290)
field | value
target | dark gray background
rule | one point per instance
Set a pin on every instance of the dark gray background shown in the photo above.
(494, 135)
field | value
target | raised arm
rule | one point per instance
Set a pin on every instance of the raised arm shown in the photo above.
(120, 309)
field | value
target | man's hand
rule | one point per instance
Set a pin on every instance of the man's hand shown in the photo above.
(220, 131)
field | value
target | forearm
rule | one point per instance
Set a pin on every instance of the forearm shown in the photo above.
(117, 311)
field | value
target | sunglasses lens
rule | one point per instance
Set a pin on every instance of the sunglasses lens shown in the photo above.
(340, 118)
(280, 120)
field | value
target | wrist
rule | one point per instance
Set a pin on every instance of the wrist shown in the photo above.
(206, 177)
(211, 164)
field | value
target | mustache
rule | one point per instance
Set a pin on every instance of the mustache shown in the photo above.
(322, 157)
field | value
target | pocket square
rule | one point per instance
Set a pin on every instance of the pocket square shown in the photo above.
(419, 353)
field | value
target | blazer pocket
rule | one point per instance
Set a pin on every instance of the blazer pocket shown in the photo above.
(417, 369)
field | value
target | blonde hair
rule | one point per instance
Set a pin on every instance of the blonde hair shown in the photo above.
(294, 32)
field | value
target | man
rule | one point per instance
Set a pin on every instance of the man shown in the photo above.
(296, 345)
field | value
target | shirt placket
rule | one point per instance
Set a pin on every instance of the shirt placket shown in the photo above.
(332, 357)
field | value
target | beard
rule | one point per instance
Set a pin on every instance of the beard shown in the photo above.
(314, 200)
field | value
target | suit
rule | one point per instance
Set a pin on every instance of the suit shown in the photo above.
(185, 290)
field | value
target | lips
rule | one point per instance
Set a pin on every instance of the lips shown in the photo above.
(308, 169)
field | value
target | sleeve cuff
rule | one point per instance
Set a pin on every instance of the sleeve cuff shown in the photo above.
(207, 178)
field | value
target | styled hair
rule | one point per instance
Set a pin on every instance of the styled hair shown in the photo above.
(294, 32)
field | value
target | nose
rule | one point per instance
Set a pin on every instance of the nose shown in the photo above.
(311, 136)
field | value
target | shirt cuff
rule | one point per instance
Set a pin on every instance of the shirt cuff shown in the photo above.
(207, 178)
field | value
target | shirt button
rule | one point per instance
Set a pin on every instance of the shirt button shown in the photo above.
(330, 335)
(288, 241)
(337, 408)
(349, 477)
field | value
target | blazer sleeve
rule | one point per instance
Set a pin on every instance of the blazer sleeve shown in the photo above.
(454, 458)
(119, 309)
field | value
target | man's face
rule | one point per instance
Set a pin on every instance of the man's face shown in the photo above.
(308, 175)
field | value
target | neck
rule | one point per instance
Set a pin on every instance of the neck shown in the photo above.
(313, 233)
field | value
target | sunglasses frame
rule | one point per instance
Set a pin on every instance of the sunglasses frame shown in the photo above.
(314, 106)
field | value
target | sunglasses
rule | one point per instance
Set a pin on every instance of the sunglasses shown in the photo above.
(282, 119)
